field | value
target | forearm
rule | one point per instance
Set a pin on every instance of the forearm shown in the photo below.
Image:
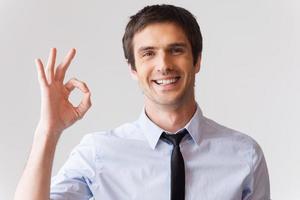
(57, 114)
(35, 181)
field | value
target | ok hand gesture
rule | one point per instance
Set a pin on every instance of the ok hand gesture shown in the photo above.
(57, 113)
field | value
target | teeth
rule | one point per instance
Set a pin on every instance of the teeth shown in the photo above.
(166, 81)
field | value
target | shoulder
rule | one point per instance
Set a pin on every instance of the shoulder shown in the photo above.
(231, 139)
(127, 132)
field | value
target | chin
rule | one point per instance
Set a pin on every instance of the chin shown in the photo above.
(169, 102)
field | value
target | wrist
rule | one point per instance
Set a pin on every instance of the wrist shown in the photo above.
(48, 134)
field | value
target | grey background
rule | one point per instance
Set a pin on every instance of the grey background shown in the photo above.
(248, 80)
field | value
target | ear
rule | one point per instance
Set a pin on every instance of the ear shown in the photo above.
(133, 72)
(198, 64)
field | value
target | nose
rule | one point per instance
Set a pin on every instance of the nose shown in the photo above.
(164, 63)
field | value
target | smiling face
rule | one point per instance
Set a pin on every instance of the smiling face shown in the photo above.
(164, 64)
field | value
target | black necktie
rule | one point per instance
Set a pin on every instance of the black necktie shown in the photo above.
(177, 165)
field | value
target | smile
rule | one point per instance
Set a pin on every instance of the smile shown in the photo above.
(166, 81)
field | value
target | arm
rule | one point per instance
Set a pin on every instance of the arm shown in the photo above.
(57, 114)
(257, 184)
(261, 183)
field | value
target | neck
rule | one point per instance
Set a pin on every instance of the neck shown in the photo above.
(171, 117)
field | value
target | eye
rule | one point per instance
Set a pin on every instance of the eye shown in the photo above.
(148, 54)
(176, 50)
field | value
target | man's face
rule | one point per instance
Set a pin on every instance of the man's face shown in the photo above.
(164, 64)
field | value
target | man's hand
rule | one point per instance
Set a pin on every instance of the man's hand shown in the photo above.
(57, 113)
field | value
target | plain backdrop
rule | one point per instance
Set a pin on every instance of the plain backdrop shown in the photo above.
(249, 78)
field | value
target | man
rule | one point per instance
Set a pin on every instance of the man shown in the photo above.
(171, 152)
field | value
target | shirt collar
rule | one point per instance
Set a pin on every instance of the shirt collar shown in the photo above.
(153, 132)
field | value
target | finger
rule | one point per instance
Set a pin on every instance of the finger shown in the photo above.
(72, 83)
(62, 67)
(51, 64)
(75, 83)
(41, 72)
(85, 103)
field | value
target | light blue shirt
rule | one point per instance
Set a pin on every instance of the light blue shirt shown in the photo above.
(132, 163)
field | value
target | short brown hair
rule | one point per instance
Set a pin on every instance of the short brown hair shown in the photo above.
(162, 13)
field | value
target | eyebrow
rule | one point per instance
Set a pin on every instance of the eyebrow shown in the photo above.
(172, 45)
(179, 44)
(145, 48)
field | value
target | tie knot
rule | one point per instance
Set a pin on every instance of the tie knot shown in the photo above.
(175, 139)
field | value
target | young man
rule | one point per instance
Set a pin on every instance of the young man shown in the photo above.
(171, 152)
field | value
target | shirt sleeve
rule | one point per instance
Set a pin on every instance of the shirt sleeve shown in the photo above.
(257, 185)
(74, 179)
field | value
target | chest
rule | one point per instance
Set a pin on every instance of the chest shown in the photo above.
(141, 173)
